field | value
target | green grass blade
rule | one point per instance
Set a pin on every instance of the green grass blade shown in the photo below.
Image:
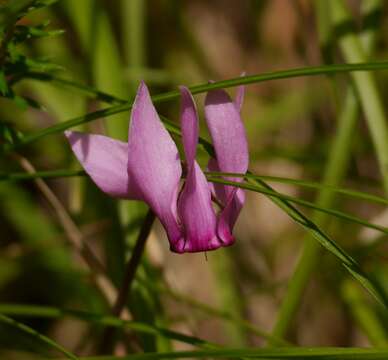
(305, 203)
(332, 353)
(51, 174)
(364, 314)
(70, 85)
(276, 75)
(350, 264)
(369, 96)
(105, 320)
(308, 184)
(277, 179)
(214, 177)
(38, 336)
(215, 312)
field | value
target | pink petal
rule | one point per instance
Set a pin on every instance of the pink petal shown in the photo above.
(153, 163)
(189, 125)
(197, 214)
(195, 207)
(227, 133)
(105, 161)
(231, 147)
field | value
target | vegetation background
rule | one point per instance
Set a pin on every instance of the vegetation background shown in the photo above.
(314, 137)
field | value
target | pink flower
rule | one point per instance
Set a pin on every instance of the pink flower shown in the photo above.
(148, 168)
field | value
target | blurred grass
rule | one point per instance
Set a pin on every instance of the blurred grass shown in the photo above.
(293, 132)
(336, 168)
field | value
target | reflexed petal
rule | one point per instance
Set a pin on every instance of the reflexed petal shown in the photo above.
(197, 214)
(105, 161)
(153, 163)
(189, 125)
(227, 133)
(231, 147)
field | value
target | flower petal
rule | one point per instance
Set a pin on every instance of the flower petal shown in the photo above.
(105, 161)
(231, 146)
(197, 214)
(227, 133)
(189, 125)
(195, 208)
(153, 163)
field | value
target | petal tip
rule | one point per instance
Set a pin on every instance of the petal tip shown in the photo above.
(68, 133)
(183, 89)
(142, 89)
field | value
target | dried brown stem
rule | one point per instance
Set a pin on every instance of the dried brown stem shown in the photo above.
(74, 235)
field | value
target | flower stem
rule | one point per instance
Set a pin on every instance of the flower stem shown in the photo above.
(130, 272)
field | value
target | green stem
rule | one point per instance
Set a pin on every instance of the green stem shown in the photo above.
(129, 276)
(133, 263)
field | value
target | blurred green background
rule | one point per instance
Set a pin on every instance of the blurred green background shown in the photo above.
(311, 128)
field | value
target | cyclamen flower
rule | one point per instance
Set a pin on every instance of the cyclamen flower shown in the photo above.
(148, 168)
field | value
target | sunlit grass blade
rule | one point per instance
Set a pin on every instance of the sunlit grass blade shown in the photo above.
(36, 335)
(275, 75)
